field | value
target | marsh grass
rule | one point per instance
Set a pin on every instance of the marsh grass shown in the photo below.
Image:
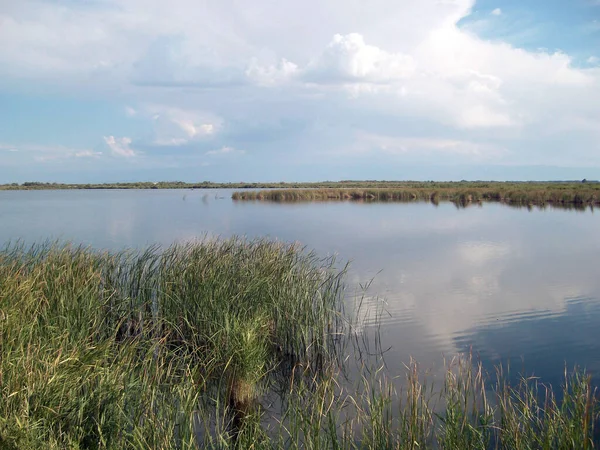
(466, 409)
(462, 194)
(95, 344)
(175, 348)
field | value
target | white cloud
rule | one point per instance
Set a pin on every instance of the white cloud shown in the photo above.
(87, 154)
(270, 74)
(393, 145)
(348, 58)
(193, 130)
(593, 60)
(48, 152)
(171, 142)
(225, 151)
(120, 146)
(21, 155)
(497, 12)
(175, 126)
(481, 116)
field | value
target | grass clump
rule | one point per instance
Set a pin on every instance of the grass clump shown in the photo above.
(109, 350)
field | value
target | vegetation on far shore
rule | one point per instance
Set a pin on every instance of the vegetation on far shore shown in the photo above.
(40, 186)
(235, 344)
(346, 184)
(459, 193)
(559, 193)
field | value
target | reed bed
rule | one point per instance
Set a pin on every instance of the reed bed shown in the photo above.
(98, 349)
(181, 348)
(462, 194)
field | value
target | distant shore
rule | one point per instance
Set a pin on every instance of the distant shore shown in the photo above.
(559, 193)
(29, 186)
(346, 184)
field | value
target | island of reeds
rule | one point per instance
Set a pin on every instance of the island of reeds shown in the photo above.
(235, 344)
(558, 194)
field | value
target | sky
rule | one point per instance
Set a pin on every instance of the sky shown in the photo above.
(232, 90)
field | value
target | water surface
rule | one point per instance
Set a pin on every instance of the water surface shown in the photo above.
(507, 284)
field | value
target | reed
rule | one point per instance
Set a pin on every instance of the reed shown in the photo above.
(182, 347)
(467, 409)
(94, 344)
(460, 193)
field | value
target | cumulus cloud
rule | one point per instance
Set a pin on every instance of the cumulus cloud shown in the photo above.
(120, 146)
(192, 124)
(175, 126)
(200, 73)
(193, 130)
(348, 58)
(481, 116)
(497, 12)
(270, 75)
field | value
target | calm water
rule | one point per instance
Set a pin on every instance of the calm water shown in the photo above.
(510, 284)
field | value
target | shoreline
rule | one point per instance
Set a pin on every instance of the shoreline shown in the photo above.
(348, 184)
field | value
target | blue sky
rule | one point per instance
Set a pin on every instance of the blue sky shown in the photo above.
(572, 27)
(107, 90)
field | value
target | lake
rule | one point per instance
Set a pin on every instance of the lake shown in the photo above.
(510, 285)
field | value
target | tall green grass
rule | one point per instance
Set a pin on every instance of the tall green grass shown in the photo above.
(101, 347)
(184, 347)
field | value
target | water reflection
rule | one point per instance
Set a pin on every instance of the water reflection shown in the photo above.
(540, 342)
(507, 282)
